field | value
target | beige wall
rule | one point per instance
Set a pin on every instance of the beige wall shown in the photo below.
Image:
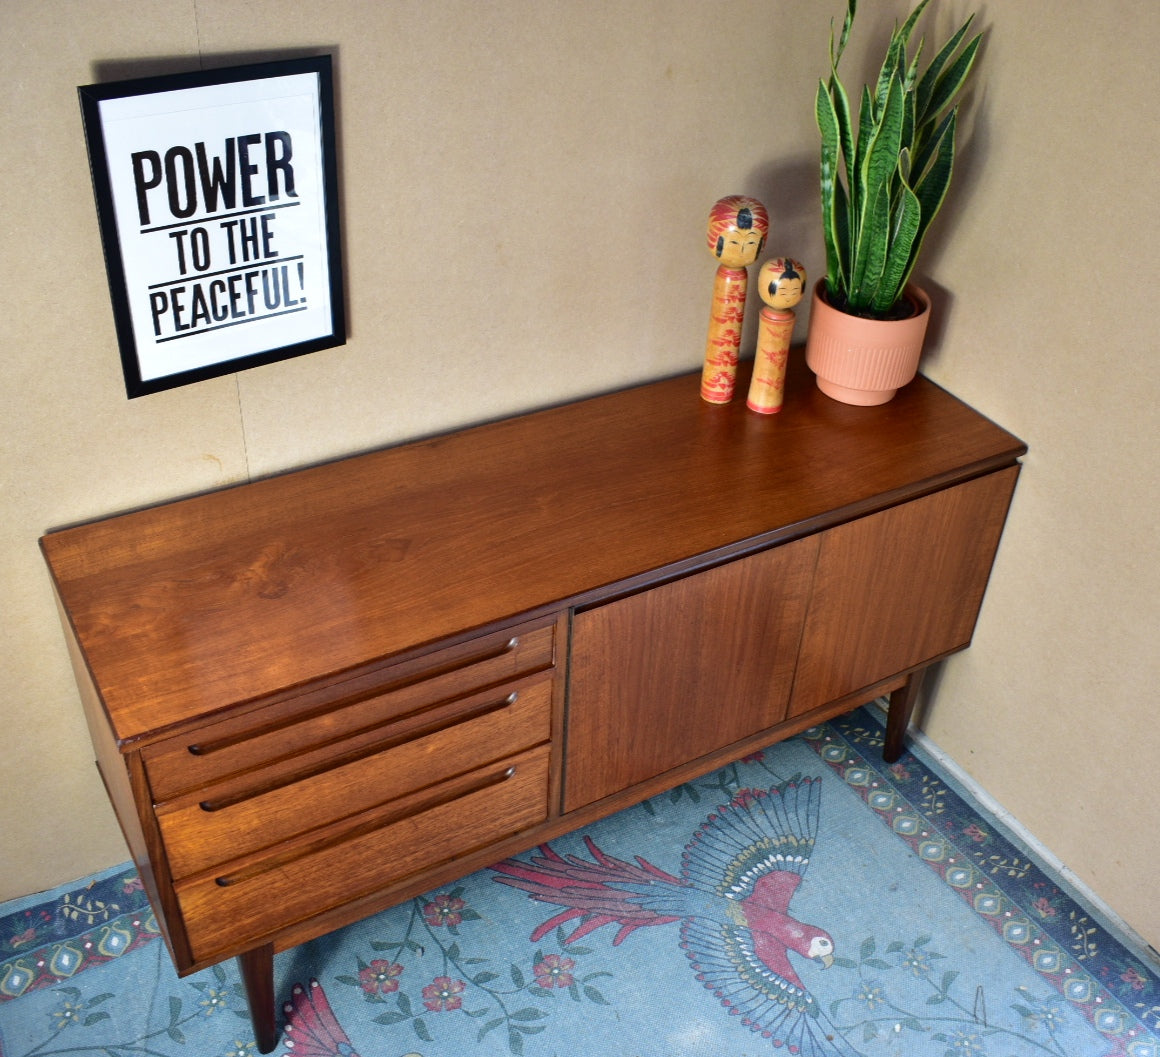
(1053, 264)
(524, 189)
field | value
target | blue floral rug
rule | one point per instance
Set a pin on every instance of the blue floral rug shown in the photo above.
(807, 900)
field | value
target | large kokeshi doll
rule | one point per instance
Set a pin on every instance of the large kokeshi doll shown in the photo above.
(736, 233)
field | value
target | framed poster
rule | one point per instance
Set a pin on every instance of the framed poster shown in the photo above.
(217, 200)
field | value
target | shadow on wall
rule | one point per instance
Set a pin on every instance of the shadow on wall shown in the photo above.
(789, 191)
(109, 70)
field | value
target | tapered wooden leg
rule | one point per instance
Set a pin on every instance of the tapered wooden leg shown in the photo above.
(902, 703)
(257, 969)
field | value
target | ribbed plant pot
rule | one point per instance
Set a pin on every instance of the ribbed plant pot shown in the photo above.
(864, 361)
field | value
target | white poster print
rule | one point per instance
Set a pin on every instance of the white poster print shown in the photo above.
(219, 201)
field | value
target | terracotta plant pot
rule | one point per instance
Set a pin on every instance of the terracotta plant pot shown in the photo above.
(864, 361)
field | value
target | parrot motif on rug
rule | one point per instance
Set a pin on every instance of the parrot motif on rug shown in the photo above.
(312, 1030)
(738, 874)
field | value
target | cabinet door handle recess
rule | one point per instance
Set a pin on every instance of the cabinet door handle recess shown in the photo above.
(230, 740)
(434, 727)
(429, 803)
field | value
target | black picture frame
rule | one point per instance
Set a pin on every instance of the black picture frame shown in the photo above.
(217, 199)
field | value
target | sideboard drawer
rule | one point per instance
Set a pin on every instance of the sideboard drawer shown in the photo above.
(228, 910)
(413, 696)
(265, 807)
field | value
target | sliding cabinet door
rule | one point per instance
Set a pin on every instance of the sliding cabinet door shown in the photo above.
(665, 676)
(899, 588)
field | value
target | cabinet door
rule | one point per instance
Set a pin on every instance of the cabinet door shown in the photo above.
(899, 588)
(665, 676)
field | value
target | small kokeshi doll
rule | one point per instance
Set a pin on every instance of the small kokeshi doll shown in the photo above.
(736, 233)
(781, 283)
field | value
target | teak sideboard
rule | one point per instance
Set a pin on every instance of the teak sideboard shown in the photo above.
(316, 695)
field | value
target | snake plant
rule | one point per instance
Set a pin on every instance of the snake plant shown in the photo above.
(884, 180)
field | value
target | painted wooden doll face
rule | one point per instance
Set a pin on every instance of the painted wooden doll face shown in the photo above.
(738, 247)
(781, 282)
(737, 229)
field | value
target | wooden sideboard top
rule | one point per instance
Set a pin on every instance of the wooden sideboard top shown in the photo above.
(190, 607)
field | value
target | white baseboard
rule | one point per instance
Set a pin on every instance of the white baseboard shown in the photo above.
(1020, 835)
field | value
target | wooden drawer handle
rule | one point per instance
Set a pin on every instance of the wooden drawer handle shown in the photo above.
(334, 762)
(433, 800)
(210, 747)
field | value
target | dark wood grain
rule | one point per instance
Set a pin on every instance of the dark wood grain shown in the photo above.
(257, 971)
(902, 703)
(256, 810)
(192, 607)
(899, 588)
(293, 731)
(262, 893)
(315, 695)
(674, 673)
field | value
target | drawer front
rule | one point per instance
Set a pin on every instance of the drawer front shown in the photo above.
(415, 694)
(265, 807)
(229, 910)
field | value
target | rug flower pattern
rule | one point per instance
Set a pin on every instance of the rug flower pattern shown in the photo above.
(947, 940)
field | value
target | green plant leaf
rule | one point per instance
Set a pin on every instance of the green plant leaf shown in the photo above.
(912, 69)
(884, 181)
(908, 26)
(841, 105)
(949, 84)
(873, 244)
(880, 162)
(827, 120)
(904, 230)
(931, 189)
(909, 122)
(851, 11)
(842, 231)
(925, 151)
(936, 88)
(892, 66)
(881, 157)
(895, 64)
